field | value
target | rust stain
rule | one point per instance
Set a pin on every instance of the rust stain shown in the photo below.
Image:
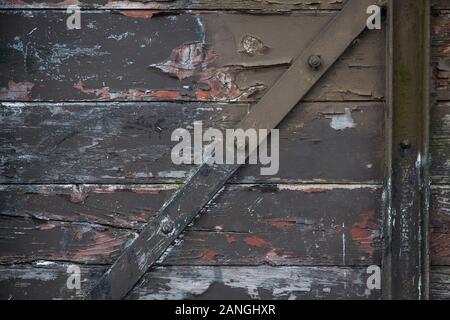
(230, 239)
(16, 91)
(255, 241)
(208, 255)
(365, 231)
(280, 224)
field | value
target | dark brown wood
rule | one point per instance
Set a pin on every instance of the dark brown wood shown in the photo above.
(208, 179)
(440, 226)
(281, 225)
(44, 280)
(278, 5)
(172, 56)
(231, 283)
(47, 280)
(406, 264)
(440, 143)
(440, 53)
(130, 143)
(118, 206)
(440, 283)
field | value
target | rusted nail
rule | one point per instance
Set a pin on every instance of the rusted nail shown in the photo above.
(405, 144)
(167, 226)
(315, 62)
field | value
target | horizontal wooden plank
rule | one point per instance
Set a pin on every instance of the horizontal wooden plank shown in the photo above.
(440, 52)
(440, 143)
(45, 280)
(119, 143)
(440, 283)
(208, 56)
(120, 206)
(244, 225)
(26, 240)
(243, 283)
(266, 5)
(440, 226)
(285, 225)
(440, 4)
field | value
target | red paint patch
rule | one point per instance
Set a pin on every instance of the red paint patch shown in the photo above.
(314, 190)
(282, 224)
(366, 231)
(47, 226)
(16, 91)
(230, 239)
(208, 255)
(273, 256)
(255, 241)
(186, 60)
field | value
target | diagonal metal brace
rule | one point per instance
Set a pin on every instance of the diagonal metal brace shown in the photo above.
(207, 180)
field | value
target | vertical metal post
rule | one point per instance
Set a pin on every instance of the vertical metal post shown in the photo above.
(405, 260)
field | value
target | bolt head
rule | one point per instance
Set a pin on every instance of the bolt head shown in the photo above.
(405, 144)
(315, 62)
(167, 226)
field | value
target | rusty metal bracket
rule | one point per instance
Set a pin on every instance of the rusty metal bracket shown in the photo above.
(202, 186)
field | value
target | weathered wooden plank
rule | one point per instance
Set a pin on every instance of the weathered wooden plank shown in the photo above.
(440, 283)
(26, 240)
(440, 4)
(440, 142)
(245, 225)
(212, 56)
(440, 226)
(285, 225)
(121, 206)
(45, 280)
(112, 143)
(440, 51)
(265, 5)
(231, 283)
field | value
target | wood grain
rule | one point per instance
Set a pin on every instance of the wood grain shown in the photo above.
(47, 280)
(245, 225)
(122, 143)
(261, 5)
(211, 56)
(440, 143)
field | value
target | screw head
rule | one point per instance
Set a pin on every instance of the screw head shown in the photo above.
(167, 226)
(315, 62)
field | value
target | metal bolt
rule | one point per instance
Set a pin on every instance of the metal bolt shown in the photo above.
(405, 144)
(167, 226)
(315, 62)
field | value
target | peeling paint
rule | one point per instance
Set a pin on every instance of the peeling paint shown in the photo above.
(342, 121)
